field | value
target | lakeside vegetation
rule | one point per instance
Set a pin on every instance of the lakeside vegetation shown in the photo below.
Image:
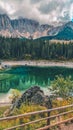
(31, 108)
(23, 110)
(15, 48)
(66, 99)
(62, 87)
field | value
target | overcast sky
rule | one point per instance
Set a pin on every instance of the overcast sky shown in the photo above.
(44, 11)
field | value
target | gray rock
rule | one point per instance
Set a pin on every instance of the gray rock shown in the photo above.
(33, 95)
(20, 27)
(38, 98)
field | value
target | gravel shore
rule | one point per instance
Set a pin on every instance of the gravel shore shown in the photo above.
(39, 63)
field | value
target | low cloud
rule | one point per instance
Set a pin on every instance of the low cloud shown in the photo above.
(44, 11)
(35, 1)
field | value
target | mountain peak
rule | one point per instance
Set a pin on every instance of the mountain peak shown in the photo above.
(69, 24)
(4, 15)
(24, 27)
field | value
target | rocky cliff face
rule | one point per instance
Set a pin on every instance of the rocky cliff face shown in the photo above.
(21, 27)
(5, 23)
(28, 28)
(25, 25)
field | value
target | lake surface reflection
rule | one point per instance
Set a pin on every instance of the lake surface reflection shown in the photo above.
(23, 77)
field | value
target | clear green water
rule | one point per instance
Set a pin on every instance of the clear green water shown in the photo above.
(23, 77)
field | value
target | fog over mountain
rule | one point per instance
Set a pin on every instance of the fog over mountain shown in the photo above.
(29, 28)
(44, 11)
(22, 27)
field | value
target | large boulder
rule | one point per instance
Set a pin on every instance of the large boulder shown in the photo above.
(33, 95)
(38, 98)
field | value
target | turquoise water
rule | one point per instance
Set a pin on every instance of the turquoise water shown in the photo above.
(23, 77)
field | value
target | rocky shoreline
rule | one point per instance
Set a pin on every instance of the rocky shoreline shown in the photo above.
(40, 63)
